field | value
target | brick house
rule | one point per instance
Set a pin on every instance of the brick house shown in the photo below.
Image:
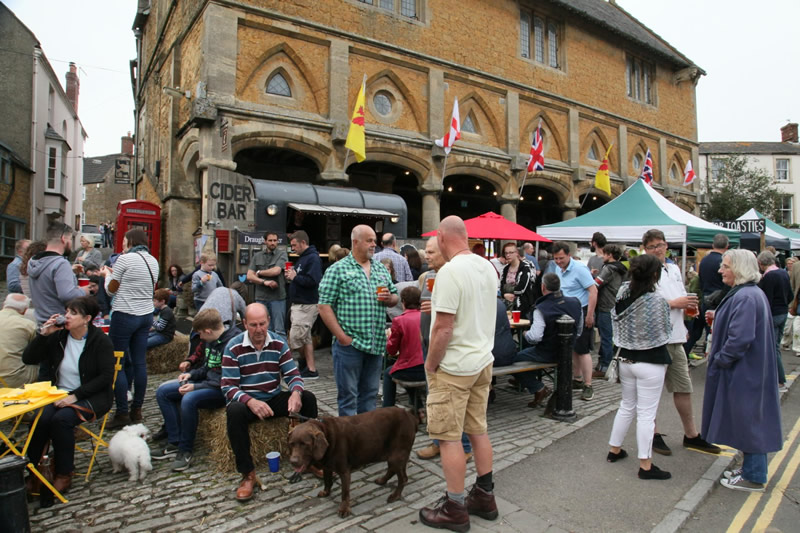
(271, 87)
(106, 182)
(41, 140)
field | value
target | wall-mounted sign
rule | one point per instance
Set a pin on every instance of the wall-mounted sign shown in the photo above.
(758, 225)
(122, 171)
(231, 200)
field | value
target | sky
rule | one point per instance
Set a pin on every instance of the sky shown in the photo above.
(749, 51)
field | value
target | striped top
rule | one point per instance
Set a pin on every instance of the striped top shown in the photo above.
(248, 373)
(135, 272)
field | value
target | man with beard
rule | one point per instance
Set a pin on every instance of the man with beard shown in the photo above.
(353, 296)
(52, 282)
(266, 273)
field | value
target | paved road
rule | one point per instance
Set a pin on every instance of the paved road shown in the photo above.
(778, 509)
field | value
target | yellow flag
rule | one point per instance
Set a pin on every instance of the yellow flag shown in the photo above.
(355, 135)
(602, 181)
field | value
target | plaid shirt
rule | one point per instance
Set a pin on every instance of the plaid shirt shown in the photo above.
(354, 301)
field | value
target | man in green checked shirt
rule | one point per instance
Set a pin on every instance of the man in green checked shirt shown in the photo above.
(353, 296)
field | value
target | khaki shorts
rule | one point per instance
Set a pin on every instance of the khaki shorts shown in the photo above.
(303, 317)
(677, 378)
(457, 404)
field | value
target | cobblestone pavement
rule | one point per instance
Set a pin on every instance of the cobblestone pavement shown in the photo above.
(199, 498)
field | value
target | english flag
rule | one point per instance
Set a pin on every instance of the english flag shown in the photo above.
(688, 173)
(647, 169)
(454, 133)
(536, 160)
(356, 136)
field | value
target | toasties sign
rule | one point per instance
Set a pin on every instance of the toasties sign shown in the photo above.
(231, 200)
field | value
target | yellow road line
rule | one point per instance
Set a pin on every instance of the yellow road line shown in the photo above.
(746, 511)
(776, 495)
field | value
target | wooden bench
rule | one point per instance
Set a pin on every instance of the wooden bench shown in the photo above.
(417, 390)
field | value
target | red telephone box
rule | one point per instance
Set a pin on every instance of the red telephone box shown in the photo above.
(142, 215)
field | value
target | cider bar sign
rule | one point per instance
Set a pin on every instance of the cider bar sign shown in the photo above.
(231, 200)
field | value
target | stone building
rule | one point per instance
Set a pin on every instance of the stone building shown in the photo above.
(267, 88)
(41, 139)
(780, 159)
(106, 182)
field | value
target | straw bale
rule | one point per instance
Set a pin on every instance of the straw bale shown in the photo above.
(167, 357)
(270, 435)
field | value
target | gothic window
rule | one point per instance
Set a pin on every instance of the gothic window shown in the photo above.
(383, 104)
(469, 125)
(278, 85)
(539, 39)
(593, 153)
(637, 162)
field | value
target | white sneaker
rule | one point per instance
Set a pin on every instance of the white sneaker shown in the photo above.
(740, 483)
(732, 473)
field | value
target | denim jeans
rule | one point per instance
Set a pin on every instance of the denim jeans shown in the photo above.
(414, 373)
(754, 467)
(464, 438)
(606, 351)
(180, 411)
(129, 335)
(778, 321)
(357, 377)
(155, 338)
(530, 380)
(277, 315)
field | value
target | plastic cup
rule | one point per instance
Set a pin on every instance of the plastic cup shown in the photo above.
(515, 316)
(430, 282)
(379, 290)
(83, 282)
(105, 328)
(693, 311)
(288, 265)
(274, 460)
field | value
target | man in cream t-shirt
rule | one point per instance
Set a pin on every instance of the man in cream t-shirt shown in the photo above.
(459, 373)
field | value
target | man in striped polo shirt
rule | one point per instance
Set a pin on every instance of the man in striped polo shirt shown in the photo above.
(252, 367)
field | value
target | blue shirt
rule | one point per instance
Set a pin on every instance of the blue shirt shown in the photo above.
(12, 275)
(575, 281)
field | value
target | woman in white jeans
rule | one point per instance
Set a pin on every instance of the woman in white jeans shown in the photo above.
(642, 329)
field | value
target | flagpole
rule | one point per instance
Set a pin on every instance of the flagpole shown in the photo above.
(585, 196)
(346, 157)
(444, 167)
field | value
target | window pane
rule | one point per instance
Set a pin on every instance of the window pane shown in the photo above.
(673, 174)
(592, 153)
(277, 84)
(468, 125)
(637, 162)
(387, 4)
(408, 8)
(51, 169)
(782, 169)
(525, 35)
(716, 168)
(646, 95)
(637, 92)
(366, 2)
(628, 74)
(538, 38)
(383, 105)
(552, 44)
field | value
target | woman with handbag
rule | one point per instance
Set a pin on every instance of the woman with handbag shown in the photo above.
(642, 329)
(78, 358)
(131, 281)
(741, 407)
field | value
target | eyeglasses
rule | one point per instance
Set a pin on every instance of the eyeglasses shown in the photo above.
(654, 247)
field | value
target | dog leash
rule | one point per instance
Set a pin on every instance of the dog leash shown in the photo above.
(301, 418)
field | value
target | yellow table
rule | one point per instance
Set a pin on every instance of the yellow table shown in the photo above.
(38, 396)
(519, 327)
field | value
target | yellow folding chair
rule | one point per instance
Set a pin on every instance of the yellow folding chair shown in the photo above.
(97, 438)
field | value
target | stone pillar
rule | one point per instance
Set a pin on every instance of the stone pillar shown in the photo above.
(508, 207)
(512, 123)
(219, 45)
(339, 60)
(570, 209)
(431, 214)
(436, 103)
(663, 171)
(574, 142)
(622, 151)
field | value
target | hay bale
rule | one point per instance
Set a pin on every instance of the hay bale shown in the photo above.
(270, 435)
(167, 357)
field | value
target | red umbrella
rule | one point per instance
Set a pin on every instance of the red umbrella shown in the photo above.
(493, 226)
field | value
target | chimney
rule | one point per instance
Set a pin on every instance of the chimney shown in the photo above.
(127, 144)
(73, 86)
(789, 133)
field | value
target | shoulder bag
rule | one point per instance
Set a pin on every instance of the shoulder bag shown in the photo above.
(612, 372)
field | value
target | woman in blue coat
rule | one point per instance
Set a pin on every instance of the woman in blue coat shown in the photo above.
(741, 406)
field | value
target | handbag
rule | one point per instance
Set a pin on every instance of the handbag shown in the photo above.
(612, 372)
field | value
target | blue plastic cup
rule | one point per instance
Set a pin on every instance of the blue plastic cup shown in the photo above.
(274, 460)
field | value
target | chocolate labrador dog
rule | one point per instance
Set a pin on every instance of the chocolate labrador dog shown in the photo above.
(343, 443)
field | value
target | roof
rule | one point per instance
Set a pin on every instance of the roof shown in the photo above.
(96, 168)
(628, 216)
(749, 148)
(613, 18)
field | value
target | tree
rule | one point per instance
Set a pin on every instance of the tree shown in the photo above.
(737, 188)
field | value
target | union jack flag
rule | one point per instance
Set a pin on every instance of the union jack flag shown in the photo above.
(647, 169)
(536, 160)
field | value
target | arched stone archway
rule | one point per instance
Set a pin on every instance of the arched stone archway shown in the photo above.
(391, 178)
(468, 196)
(538, 206)
(591, 201)
(278, 164)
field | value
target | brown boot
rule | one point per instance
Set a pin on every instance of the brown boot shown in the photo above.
(136, 415)
(540, 397)
(246, 487)
(446, 514)
(481, 503)
(120, 420)
(62, 482)
(429, 452)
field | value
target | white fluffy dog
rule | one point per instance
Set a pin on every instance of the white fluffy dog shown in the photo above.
(128, 449)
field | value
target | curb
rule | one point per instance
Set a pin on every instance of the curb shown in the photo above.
(707, 482)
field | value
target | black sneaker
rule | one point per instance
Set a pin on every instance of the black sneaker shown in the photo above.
(182, 461)
(698, 443)
(167, 452)
(309, 374)
(654, 473)
(614, 457)
(161, 434)
(659, 446)
(577, 384)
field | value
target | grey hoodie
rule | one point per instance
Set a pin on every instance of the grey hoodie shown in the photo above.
(52, 284)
